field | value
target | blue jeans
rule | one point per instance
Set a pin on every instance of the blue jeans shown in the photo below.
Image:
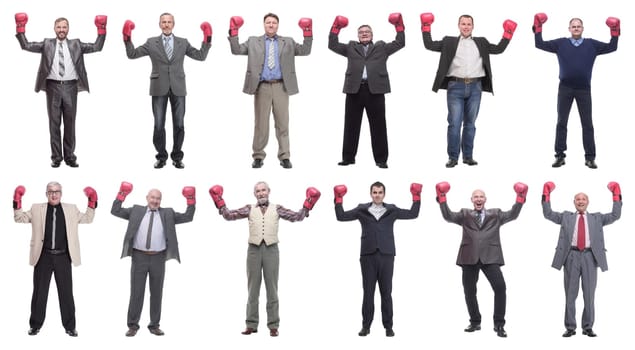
(464, 101)
(582, 97)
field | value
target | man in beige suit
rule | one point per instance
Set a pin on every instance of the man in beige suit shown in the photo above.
(54, 247)
(271, 79)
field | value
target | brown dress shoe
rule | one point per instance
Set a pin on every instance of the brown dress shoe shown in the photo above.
(131, 332)
(156, 331)
(273, 332)
(249, 330)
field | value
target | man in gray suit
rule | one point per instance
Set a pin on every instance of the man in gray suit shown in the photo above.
(366, 82)
(62, 75)
(580, 250)
(271, 79)
(150, 241)
(167, 81)
(481, 250)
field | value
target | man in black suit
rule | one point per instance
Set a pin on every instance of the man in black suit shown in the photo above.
(464, 71)
(365, 84)
(150, 241)
(481, 249)
(377, 255)
(62, 75)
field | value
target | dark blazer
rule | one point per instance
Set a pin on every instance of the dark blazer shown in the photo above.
(568, 220)
(374, 60)
(448, 45)
(169, 218)
(167, 74)
(377, 235)
(47, 49)
(480, 243)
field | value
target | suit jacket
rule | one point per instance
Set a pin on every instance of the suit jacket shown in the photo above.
(169, 218)
(36, 216)
(167, 74)
(48, 50)
(374, 60)
(254, 48)
(377, 235)
(568, 220)
(480, 242)
(448, 45)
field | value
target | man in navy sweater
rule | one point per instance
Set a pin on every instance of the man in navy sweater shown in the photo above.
(377, 256)
(576, 56)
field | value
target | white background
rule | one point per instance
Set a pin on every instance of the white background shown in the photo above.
(320, 280)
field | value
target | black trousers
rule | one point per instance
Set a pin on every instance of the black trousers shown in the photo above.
(377, 268)
(375, 106)
(495, 277)
(61, 106)
(582, 97)
(60, 266)
(159, 109)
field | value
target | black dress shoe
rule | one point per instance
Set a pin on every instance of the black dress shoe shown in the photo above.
(131, 332)
(34, 331)
(273, 332)
(55, 164)
(159, 164)
(472, 328)
(451, 163)
(568, 333)
(364, 332)
(346, 162)
(558, 163)
(249, 330)
(285, 163)
(469, 161)
(257, 163)
(589, 332)
(156, 331)
(72, 164)
(591, 164)
(71, 332)
(382, 165)
(178, 164)
(390, 332)
(500, 331)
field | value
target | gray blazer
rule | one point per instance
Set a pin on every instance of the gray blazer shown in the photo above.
(480, 243)
(167, 74)
(567, 221)
(47, 49)
(374, 60)
(254, 48)
(169, 218)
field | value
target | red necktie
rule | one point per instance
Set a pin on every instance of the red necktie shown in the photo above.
(581, 233)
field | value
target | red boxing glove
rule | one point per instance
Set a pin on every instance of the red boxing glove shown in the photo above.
(415, 189)
(397, 20)
(128, 26)
(234, 24)
(442, 189)
(124, 190)
(339, 191)
(207, 32)
(307, 26)
(216, 192)
(312, 196)
(509, 26)
(521, 192)
(17, 197)
(614, 24)
(539, 20)
(614, 187)
(20, 22)
(426, 21)
(92, 197)
(189, 192)
(100, 23)
(547, 188)
(339, 23)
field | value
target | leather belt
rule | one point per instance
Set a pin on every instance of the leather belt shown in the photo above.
(273, 81)
(465, 80)
(148, 252)
(578, 250)
(55, 251)
(62, 82)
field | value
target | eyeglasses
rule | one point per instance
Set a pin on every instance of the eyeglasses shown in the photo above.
(50, 193)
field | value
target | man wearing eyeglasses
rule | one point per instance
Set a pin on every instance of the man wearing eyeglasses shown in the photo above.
(54, 247)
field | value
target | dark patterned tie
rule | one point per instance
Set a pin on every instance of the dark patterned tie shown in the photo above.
(479, 217)
(62, 68)
(149, 237)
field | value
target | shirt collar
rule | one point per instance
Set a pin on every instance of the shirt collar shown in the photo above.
(576, 42)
